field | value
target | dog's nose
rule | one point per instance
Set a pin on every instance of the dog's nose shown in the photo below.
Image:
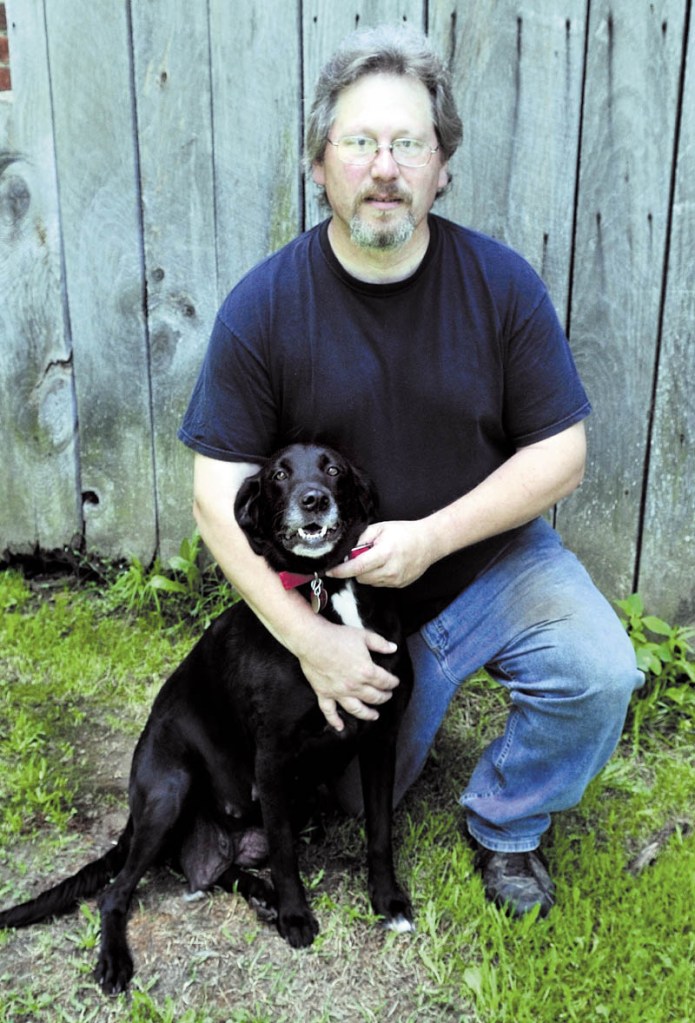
(314, 500)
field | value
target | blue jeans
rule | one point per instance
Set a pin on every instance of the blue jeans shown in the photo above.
(538, 624)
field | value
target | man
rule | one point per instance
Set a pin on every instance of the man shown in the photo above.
(432, 356)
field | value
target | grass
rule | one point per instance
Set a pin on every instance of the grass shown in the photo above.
(77, 677)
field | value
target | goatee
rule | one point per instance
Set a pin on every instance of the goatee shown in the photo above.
(381, 236)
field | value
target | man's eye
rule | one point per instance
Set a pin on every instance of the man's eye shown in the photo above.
(358, 142)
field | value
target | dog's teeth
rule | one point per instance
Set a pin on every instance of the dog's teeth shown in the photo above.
(318, 534)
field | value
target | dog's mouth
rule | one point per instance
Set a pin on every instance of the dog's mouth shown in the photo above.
(315, 532)
(313, 539)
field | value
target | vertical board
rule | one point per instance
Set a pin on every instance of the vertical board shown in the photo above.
(89, 53)
(172, 87)
(667, 570)
(627, 146)
(145, 167)
(324, 28)
(517, 71)
(257, 132)
(39, 504)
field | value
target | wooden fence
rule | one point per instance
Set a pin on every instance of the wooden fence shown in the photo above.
(149, 154)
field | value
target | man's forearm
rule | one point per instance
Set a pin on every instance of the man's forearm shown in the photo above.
(525, 486)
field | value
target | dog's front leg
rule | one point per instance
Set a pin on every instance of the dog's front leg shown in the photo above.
(155, 810)
(295, 921)
(377, 769)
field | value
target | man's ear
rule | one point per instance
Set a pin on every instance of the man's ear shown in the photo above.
(318, 174)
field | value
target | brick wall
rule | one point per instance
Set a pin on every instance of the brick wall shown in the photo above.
(5, 74)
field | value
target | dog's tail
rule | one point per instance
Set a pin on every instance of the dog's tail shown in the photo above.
(66, 896)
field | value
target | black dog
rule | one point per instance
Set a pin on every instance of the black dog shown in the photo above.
(235, 736)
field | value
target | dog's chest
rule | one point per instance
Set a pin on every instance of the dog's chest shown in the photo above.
(344, 603)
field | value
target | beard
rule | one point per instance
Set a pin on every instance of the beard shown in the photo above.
(382, 235)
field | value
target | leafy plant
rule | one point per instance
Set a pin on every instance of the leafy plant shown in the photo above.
(667, 699)
(187, 586)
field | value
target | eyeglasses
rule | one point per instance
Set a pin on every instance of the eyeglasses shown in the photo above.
(360, 150)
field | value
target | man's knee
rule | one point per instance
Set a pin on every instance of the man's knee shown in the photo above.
(606, 672)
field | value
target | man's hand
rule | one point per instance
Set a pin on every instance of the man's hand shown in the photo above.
(338, 665)
(399, 554)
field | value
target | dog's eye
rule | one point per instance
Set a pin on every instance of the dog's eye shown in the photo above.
(280, 475)
(332, 470)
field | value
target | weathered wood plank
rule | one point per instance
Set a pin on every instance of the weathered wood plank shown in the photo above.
(628, 138)
(325, 26)
(667, 570)
(517, 71)
(37, 407)
(256, 75)
(172, 87)
(89, 53)
(217, 147)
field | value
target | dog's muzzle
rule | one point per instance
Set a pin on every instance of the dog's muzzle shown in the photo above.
(312, 525)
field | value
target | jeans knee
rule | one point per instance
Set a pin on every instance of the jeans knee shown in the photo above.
(609, 678)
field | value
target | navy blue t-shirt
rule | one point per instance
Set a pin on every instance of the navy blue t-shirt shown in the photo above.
(428, 384)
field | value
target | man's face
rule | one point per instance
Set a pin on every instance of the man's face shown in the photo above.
(381, 205)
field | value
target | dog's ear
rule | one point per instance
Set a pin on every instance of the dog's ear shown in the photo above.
(247, 508)
(365, 495)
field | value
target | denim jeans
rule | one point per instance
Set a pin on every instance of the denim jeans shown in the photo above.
(538, 624)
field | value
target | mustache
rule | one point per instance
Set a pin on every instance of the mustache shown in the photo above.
(385, 193)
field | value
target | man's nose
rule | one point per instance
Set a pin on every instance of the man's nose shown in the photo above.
(384, 165)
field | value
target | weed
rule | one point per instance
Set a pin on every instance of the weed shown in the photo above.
(187, 586)
(666, 702)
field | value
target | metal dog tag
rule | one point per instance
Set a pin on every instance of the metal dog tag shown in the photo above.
(319, 597)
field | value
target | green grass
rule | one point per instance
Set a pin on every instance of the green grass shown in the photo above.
(620, 947)
(77, 677)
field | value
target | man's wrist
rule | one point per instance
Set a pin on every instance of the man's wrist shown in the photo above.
(304, 632)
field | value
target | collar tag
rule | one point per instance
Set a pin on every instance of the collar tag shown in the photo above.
(319, 596)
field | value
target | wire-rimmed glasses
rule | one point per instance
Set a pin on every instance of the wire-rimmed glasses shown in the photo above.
(361, 150)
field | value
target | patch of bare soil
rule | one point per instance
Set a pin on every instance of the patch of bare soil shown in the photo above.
(208, 959)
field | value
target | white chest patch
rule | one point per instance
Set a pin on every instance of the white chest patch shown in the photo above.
(345, 606)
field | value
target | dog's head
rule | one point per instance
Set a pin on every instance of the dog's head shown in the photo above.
(305, 509)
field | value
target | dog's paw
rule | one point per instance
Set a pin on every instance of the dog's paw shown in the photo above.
(299, 928)
(263, 901)
(267, 914)
(395, 912)
(113, 973)
(400, 924)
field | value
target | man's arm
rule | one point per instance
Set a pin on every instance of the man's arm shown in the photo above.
(525, 486)
(335, 659)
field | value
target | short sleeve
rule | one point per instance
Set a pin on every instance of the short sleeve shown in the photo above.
(543, 393)
(231, 415)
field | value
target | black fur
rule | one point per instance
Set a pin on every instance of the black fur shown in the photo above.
(235, 735)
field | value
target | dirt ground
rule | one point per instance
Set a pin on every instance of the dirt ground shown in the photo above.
(211, 955)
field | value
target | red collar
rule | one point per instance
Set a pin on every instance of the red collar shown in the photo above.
(291, 580)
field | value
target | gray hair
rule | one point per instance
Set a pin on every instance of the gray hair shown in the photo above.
(386, 49)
